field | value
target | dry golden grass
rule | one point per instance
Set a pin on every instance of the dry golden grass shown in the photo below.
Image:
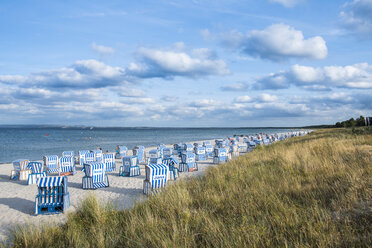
(312, 191)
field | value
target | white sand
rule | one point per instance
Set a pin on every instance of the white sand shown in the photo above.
(17, 199)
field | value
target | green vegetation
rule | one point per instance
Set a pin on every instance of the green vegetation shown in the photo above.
(311, 191)
(358, 122)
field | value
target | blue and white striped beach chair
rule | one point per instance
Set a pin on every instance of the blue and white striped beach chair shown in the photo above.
(122, 152)
(20, 171)
(200, 153)
(82, 156)
(129, 167)
(167, 152)
(188, 148)
(188, 162)
(209, 150)
(95, 176)
(156, 178)
(172, 164)
(51, 164)
(139, 151)
(109, 160)
(154, 157)
(220, 155)
(36, 172)
(98, 155)
(67, 166)
(53, 196)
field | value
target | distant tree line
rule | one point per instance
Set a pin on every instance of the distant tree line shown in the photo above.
(358, 122)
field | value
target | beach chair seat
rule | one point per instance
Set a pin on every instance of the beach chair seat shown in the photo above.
(200, 153)
(51, 164)
(20, 171)
(188, 163)
(67, 166)
(95, 176)
(109, 160)
(129, 167)
(53, 196)
(156, 178)
(139, 151)
(36, 172)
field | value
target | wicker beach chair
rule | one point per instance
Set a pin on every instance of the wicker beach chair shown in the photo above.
(156, 178)
(53, 196)
(95, 176)
(172, 164)
(51, 164)
(109, 160)
(200, 153)
(67, 166)
(188, 163)
(20, 170)
(68, 153)
(82, 156)
(36, 172)
(129, 167)
(220, 155)
(139, 151)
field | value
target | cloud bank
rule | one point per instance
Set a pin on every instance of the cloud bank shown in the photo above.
(278, 42)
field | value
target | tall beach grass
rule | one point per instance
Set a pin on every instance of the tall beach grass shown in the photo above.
(311, 191)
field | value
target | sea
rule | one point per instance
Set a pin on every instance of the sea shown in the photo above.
(33, 142)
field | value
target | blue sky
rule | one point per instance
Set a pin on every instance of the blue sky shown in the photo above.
(185, 63)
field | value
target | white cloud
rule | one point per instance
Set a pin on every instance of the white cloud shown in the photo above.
(103, 50)
(357, 17)
(130, 92)
(243, 99)
(168, 64)
(279, 42)
(351, 76)
(268, 98)
(287, 3)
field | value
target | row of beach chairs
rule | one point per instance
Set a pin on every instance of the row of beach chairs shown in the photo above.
(163, 164)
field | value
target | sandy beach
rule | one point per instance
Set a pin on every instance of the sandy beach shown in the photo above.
(17, 199)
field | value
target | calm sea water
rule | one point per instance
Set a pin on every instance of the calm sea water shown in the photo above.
(35, 142)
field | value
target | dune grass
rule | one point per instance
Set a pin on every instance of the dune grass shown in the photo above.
(312, 191)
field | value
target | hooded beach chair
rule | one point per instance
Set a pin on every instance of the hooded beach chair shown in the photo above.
(139, 151)
(67, 166)
(51, 164)
(200, 153)
(20, 171)
(98, 155)
(53, 196)
(188, 148)
(156, 178)
(154, 157)
(122, 152)
(129, 167)
(109, 160)
(82, 156)
(188, 162)
(172, 164)
(95, 176)
(36, 172)
(167, 152)
(220, 155)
